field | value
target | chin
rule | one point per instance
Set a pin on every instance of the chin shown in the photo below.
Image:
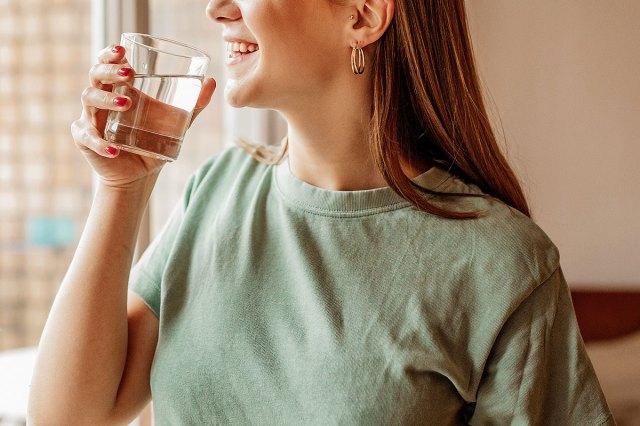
(234, 94)
(240, 94)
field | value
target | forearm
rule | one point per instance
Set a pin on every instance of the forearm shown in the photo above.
(83, 348)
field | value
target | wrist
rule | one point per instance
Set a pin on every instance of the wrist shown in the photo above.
(141, 187)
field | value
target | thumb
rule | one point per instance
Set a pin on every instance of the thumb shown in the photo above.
(206, 92)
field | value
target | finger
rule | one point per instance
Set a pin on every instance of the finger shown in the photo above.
(113, 54)
(102, 74)
(88, 138)
(94, 98)
(206, 92)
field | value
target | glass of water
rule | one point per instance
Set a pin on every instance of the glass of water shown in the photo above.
(164, 92)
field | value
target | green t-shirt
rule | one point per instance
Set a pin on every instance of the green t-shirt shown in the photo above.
(281, 303)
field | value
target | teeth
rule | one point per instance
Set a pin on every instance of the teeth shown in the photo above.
(241, 47)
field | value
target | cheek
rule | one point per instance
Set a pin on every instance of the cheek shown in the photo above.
(293, 26)
(310, 50)
(298, 43)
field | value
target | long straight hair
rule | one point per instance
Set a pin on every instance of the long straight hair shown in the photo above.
(428, 105)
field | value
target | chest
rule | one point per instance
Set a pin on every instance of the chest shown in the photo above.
(244, 354)
(326, 335)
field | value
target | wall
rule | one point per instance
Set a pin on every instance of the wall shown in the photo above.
(563, 79)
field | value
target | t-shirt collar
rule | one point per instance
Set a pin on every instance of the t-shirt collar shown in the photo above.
(350, 203)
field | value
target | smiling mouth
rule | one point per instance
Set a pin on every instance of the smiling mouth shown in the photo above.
(236, 49)
(234, 58)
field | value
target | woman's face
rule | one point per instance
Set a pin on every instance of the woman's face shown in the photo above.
(302, 47)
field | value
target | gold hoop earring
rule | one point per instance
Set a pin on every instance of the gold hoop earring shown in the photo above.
(357, 65)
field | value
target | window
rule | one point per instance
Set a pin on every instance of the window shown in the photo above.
(45, 187)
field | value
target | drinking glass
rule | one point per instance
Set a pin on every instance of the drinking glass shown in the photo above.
(164, 92)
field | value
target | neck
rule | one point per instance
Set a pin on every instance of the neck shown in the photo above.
(333, 162)
(327, 128)
(327, 136)
(340, 163)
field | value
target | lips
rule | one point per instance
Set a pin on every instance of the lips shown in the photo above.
(235, 45)
(243, 57)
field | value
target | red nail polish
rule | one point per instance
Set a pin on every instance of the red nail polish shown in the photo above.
(111, 150)
(120, 101)
(124, 71)
(116, 49)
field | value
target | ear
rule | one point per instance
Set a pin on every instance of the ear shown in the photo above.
(371, 20)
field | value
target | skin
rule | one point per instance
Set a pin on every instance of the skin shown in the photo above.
(99, 340)
(303, 71)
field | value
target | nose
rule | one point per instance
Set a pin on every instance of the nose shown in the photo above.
(222, 11)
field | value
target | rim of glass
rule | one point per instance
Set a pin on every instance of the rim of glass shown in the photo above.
(131, 38)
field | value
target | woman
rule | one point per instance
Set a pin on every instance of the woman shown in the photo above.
(382, 269)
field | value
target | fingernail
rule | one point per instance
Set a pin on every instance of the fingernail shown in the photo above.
(120, 101)
(116, 49)
(111, 150)
(124, 71)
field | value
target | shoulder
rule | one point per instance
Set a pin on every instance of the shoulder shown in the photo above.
(483, 268)
(231, 160)
(502, 252)
(223, 170)
(510, 245)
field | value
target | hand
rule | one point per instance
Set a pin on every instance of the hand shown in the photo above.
(119, 169)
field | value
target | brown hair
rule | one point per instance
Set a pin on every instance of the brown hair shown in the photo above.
(427, 104)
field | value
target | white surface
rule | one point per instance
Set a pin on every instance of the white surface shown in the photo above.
(16, 369)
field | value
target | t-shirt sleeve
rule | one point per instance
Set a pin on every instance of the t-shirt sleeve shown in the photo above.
(538, 371)
(146, 276)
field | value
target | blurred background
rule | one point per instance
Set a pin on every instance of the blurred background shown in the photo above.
(561, 83)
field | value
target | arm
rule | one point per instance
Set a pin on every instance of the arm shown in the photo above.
(83, 348)
(95, 351)
(538, 371)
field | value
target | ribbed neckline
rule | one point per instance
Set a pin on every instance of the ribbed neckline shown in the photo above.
(350, 203)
